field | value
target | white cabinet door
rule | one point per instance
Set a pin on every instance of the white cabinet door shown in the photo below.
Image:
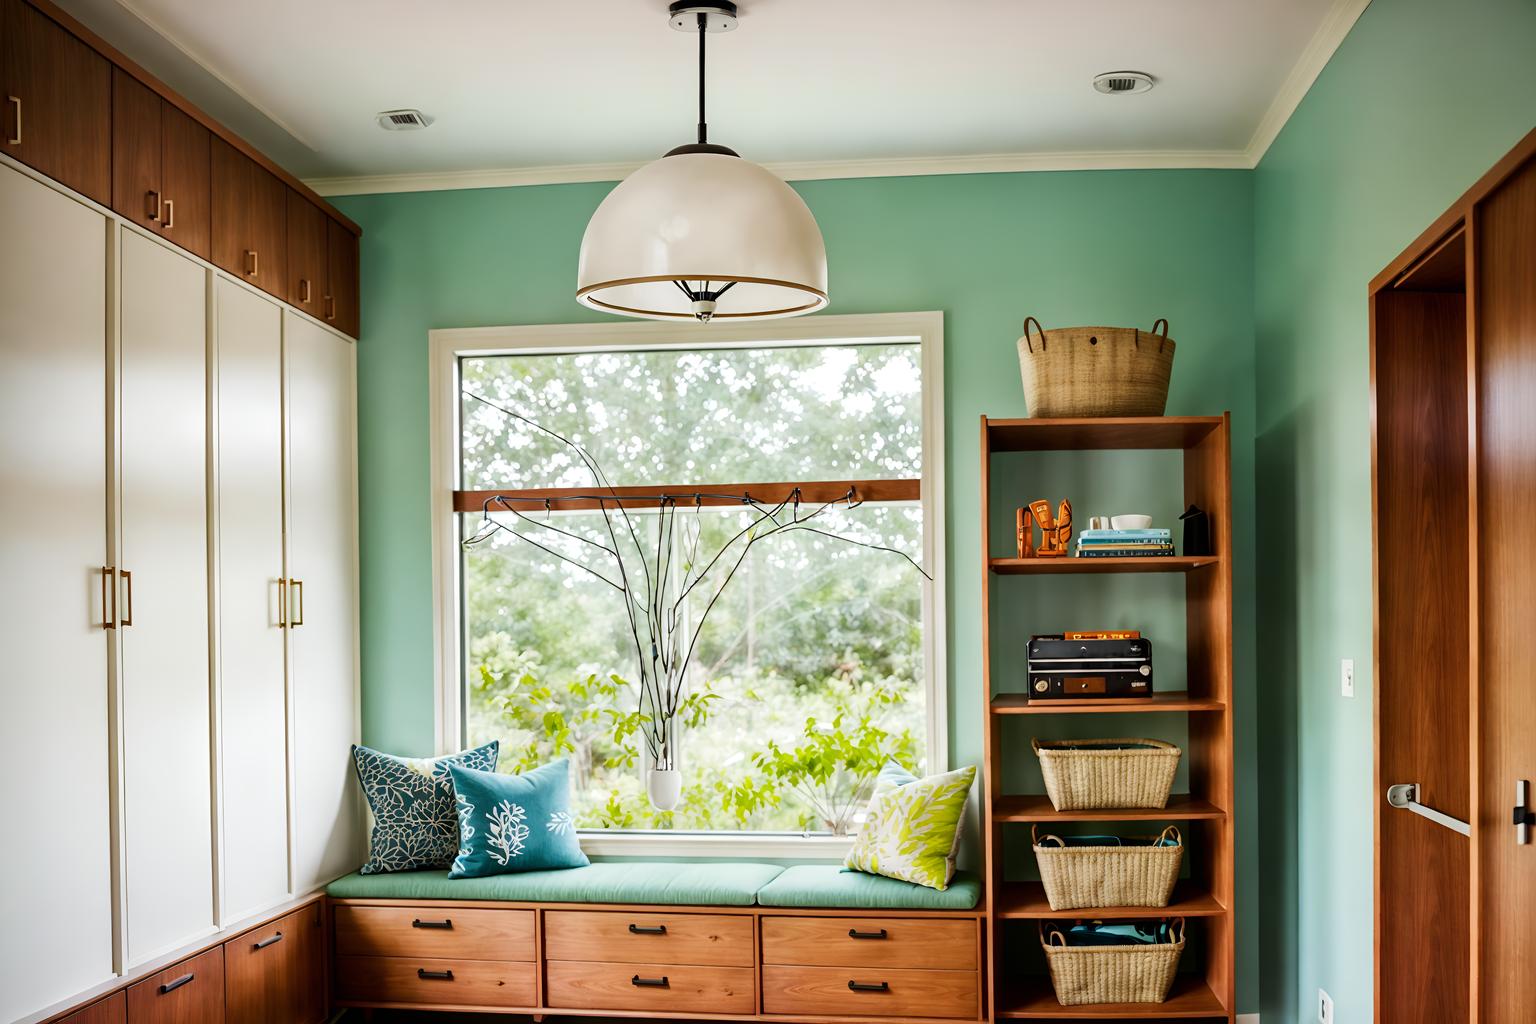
(253, 754)
(56, 868)
(163, 674)
(322, 551)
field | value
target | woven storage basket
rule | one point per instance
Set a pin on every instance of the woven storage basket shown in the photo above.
(1112, 974)
(1095, 371)
(1085, 775)
(1076, 877)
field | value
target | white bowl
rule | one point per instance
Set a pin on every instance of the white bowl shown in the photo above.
(1131, 522)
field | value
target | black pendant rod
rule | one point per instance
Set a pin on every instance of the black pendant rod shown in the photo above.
(703, 31)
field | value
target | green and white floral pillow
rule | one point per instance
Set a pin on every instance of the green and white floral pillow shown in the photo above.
(912, 828)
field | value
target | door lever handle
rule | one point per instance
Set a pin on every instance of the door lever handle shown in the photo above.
(1405, 797)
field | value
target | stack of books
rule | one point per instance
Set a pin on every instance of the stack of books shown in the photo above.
(1151, 543)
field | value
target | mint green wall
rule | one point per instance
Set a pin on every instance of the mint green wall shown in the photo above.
(1422, 97)
(1103, 247)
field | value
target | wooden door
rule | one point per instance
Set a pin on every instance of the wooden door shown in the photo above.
(185, 178)
(58, 102)
(306, 254)
(343, 311)
(55, 606)
(163, 673)
(251, 609)
(137, 193)
(322, 553)
(250, 211)
(190, 992)
(111, 1010)
(1506, 501)
(275, 973)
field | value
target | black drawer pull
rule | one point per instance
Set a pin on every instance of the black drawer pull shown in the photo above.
(172, 986)
(274, 940)
(854, 933)
(640, 982)
(426, 975)
(869, 986)
(645, 929)
(446, 922)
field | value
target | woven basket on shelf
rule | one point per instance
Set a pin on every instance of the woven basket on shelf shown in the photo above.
(1095, 371)
(1077, 877)
(1085, 775)
(1112, 974)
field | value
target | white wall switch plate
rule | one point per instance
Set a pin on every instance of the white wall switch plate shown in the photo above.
(1347, 677)
(1324, 1007)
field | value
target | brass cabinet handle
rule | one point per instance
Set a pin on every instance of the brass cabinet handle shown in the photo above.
(330, 307)
(282, 603)
(270, 941)
(304, 290)
(254, 259)
(172, 986)
(127, 576)
(152, 211)
(170, 214)
(298, 586)
(15, 140)
(107, 572)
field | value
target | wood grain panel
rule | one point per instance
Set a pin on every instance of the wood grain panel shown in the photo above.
(813, 492)
(720, 940)
(1421, 677)
(111, 1010)
(845, 992)
(682, 989)
(64, 89)
(385, 979)
(250, 216)
(191, 992)
(342, 267)
(185, 177)
(306, 255)
(869, 942)
(136, 151)
(1505, 294)
(270, 973)
(444, 933)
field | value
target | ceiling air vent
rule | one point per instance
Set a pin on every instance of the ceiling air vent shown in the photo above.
(1122, 82)
(403, 120)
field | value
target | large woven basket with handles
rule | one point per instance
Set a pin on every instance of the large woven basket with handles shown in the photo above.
(1112, 974)
(1077, 875)
(1074, 372)
(1086, 775)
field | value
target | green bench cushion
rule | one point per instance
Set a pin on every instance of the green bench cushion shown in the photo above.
(724, 883)
(826, 885)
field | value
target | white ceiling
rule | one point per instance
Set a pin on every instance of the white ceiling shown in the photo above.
(560, 85)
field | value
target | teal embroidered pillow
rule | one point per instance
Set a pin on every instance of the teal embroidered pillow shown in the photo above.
(912, 828)
(414, 825)
(514, 822)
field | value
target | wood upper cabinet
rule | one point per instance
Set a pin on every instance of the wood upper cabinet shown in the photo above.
(57, 93)
(342, 309)
(250, 220)
(307, 286)
(160, 171)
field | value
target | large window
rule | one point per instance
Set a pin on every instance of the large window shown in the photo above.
(814, 655)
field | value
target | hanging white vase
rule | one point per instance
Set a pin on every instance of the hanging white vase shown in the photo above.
(665, 786)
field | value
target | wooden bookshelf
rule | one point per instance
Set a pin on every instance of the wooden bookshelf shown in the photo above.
(1205, 989)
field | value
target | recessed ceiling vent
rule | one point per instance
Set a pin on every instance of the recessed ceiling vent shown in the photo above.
(1118, 83)
(403, 120)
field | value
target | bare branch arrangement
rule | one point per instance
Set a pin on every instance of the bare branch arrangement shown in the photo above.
(654, 587)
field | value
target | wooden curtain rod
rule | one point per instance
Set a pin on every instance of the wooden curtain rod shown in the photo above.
(565, 499)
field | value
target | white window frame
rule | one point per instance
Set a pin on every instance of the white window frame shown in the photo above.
(448, 346)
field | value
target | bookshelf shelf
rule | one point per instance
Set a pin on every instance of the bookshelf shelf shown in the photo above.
(1205, 989)
(1176, 701)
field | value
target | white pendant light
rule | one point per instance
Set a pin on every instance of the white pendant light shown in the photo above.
(702, 233)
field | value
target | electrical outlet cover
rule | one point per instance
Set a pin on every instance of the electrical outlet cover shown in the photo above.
(1324, 1007)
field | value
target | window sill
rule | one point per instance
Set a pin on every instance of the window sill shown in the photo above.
(715, 846)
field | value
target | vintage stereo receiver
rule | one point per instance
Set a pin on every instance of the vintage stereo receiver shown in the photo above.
(1090, 666)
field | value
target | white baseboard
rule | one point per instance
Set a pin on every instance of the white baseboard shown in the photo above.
(1247, 1018)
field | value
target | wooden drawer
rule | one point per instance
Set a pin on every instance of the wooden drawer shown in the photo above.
(191, 992)
(111, 1010)
(388, 979)
(869, 992)
(708, 940)
(660, 987)
(276, 972)
(943, 945)
(446, 933)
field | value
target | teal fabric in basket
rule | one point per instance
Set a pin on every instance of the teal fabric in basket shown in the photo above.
(728, 884)
(824, 885)
(511, 823)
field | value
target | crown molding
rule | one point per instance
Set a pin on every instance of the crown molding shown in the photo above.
(1325, 43)
(990, 163)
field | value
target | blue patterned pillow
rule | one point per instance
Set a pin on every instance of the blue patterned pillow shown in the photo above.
(514, 822)
(414, 825)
